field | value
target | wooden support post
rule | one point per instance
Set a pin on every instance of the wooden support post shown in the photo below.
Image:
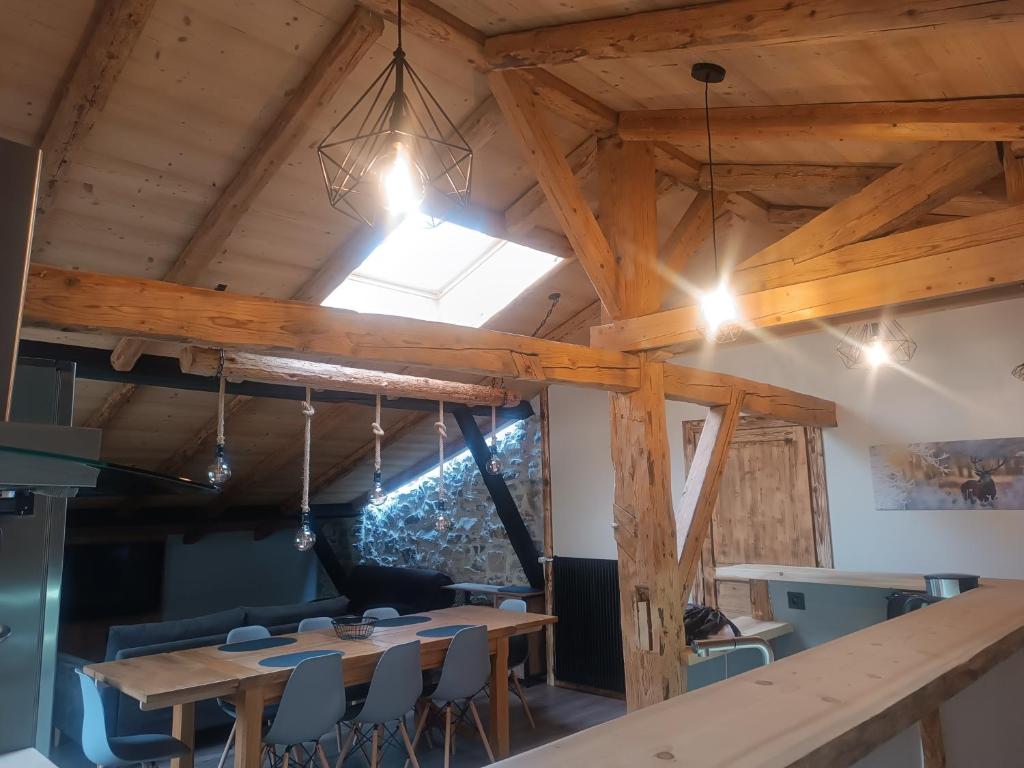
(653, 637)
(183, 728)
(549, 544)
(933, 747)
(701, 490)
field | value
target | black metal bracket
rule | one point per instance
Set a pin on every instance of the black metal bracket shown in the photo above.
(518, 534)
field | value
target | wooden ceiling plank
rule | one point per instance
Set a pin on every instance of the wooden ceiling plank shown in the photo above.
(986, 119)
(1013, 171)
(555, 177)
(700, 492)
(94, 303)
(963, 256)
(903, 194)
(175, 463)
(244, 366)
(117, 28)
(522, 215)
(111, 406)
(434, 24)
(355, 38)
(736, 24)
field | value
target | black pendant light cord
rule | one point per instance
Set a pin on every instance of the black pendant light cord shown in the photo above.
(711, 176)
(399, 24)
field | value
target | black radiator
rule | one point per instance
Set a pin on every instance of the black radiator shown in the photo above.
(588, 635)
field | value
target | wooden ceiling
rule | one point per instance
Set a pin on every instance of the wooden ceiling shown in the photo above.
(200, 91)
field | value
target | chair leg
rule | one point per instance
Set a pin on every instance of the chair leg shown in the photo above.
(480, 728)
(347, 745)
(322, 755)
(408, 744)
(518, 688)
(337, 732)
(227, 745)
(419, 729)
(287, 758)
(447, 735)
(375, 749)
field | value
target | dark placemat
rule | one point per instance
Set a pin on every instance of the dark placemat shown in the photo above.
(293, 659)
(443, 631)
(516, 589)
(402, 621)
(256, 645)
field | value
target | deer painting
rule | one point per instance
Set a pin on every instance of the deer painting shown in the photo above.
(982, 490)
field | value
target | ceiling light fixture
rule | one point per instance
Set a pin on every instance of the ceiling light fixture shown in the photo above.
(718, 307)
(876, 344)
(393, 146)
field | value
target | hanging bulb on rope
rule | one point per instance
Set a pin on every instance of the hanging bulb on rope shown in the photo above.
(305, 537)
(219, 471)
(494, 466)
(377, 495)
(443, 520)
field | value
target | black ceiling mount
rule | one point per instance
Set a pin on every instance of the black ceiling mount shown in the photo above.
(706, 72)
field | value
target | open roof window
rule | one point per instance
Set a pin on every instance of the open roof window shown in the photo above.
(441, 271)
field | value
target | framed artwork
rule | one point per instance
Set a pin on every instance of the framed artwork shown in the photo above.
(961, 474)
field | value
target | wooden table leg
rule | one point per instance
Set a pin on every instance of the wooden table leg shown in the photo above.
(249, 731)
(183, 728)
(499, 700)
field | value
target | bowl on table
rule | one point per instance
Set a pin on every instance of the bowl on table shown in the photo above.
(353, 627)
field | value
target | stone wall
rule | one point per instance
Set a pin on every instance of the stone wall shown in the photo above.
(476, 548)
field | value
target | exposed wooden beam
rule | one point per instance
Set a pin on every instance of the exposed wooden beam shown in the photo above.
(700, 493)
(1013, 171)
(692, 229)
(524, 212)
(434, 24)
(83, 301)
(834, 182)
(651, 611)
(988, 119)
(109, 408)
(480, 125)
(321, 83)
(514, 95)
(244, 366)
(736, 24)
(904, 194)
(970, 254)
(677, 164)
(84, 94)
(340, 264)
(569, 102)
(628, 205)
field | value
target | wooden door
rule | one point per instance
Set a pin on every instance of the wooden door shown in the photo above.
(772, 507)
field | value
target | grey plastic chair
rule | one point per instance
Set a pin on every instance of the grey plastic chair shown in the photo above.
(241, 635)
(395, 688)
(384, 612)
(464, 674)
(315, 622)
(105, 750)
(312, 702)
(518, 650)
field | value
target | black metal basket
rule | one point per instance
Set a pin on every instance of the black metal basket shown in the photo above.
(354, 627)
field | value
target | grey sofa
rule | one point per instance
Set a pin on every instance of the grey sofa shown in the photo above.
(131, 640)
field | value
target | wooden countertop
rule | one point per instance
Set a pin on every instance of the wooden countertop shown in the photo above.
(827, 706)
(748, 572)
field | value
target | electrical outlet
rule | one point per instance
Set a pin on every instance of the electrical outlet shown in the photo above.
(795, 601)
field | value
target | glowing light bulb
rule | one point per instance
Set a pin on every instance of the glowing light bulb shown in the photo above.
(721, 318)
(304, 537)
(443, 521)
(402, 182)
(219, 472)
(377, 496)
(494, 463)
(876, 354)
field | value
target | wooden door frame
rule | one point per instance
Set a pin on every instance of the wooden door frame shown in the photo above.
(816, 481)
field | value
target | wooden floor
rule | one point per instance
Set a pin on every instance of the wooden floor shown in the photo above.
(558, 713)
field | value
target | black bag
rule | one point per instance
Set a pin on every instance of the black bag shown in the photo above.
(702, 621)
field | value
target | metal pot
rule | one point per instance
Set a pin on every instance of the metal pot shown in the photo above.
(949, 584)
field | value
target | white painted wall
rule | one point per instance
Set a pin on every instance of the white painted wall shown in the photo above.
(957, 387)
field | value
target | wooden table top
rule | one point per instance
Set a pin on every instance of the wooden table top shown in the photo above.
(492, 589)
(195, 674)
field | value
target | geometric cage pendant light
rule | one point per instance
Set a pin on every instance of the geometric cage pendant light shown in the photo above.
(394, 146)
(870, 345)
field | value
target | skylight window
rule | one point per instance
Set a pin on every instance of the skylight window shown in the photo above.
(441, 272)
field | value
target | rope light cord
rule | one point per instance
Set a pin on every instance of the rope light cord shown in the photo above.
(378, 434)
(220, 400)
(307, 411)
(442, 435)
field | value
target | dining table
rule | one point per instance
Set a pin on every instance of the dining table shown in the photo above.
(251, 676)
